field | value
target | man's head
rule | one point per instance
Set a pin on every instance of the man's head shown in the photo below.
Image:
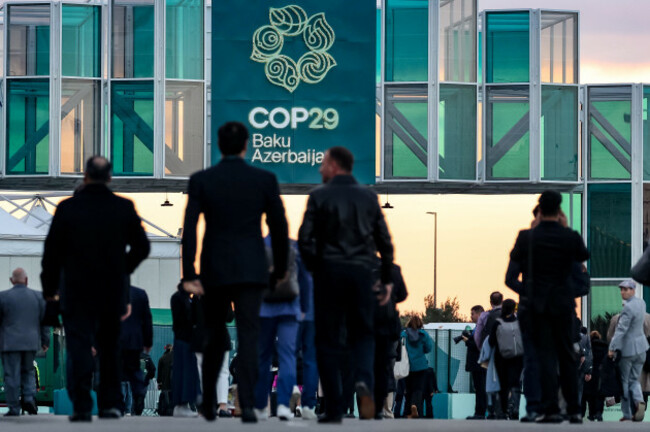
(98, 170)
(549, 204)
(337, 161)
(496, 298)
(508, 308)
(18, 277)
(233, 139)
(628, 289)
(476, 313)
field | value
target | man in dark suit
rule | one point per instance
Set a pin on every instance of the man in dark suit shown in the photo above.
(21, 335)
(233, 196)
(545, 256)
(342, 231)
(137, 336)
(86, 262)
(471, 365)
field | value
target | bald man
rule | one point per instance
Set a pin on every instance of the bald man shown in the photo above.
(21, 336)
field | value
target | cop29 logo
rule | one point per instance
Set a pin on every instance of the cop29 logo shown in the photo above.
(282, 70)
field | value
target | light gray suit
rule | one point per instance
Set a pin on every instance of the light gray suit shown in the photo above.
(630, 340)
(21, 335)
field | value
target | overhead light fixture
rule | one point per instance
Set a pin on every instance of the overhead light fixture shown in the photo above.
(166, 203)
(387, 205)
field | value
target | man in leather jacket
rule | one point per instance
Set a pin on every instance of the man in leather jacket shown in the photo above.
(342, 231)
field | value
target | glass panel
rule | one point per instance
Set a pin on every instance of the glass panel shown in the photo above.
(507, 47)
(458, 40)
(378, 54)
(507, 133)
(28, 126)
(646, 133)
(559, 47)
(81, 41)
(572, 208)
(133, 38)
(2, 44)
(559, 129)
(609, 229)
(405, 138)
(457, 132)
(80, 123)
(407, 40)
(29, 40)
(183, 128)
(610, 132)
(184, 39)
(132, 128)
(604, 302)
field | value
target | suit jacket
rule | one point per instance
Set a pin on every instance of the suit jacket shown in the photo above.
(137, 329)
(554, 251)
(21, 312)
(629, 337)
(233, 196)
(85, 256)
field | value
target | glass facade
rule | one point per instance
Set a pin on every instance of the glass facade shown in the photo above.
(646, 132)
(80, 123)
(81, 41)
(559, 47)
(457, 41)
(407, 40)
(507, 47)
(457, 132)
(604, 302)
(133, 38)
(29, 40)
(184, 118)
(559, 133)
(184, 39)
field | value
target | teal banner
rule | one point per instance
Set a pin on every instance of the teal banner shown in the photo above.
(301, 77)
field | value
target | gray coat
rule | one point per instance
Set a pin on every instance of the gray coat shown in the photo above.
(21, 312)
(629, 337)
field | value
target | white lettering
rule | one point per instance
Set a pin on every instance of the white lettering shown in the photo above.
(253, 122)
(284, 123)
(298, 115)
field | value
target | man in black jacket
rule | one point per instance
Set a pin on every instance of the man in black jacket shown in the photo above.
(86, 262)
(545, 255)
(472, 366)
(342, 231)
(137, 336)
(233, 196)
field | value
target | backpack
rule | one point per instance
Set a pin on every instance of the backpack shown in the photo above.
(509, 339)
(286, 291)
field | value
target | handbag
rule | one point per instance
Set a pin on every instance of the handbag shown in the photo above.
(402, 367)
(640, 272)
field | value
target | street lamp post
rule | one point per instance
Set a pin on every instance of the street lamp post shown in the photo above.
(435, 258)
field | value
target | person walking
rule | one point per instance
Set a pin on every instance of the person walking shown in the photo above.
(164, 379)
(418, 344)
(474, 368)
(341, 233)
(545, 255)
(21, 336)
(233, 196)
(630, 341)
(592, 397)
(95, 242)
(306, 345)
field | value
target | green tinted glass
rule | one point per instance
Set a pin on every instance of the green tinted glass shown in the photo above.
(572, 208)
(81, 41)
(646, 133)
(407, 40)
(28, 126)
(378, 59)
(507, 47)
(133, 39)
(507, 133)
(29, 40)
(132, 128)
(457, 132)
(559, 133)
(80, 123)
(184, 39)
(604, 301)
(609, 229)
(183, 128)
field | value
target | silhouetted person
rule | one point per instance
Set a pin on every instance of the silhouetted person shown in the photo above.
(233, 196)
(342, 231)
(86, 262)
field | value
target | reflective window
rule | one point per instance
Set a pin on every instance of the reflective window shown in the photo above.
(407, 40)
(183, 128)
(28, 126)
(604, 302)
(184, 39)
(646, 133)
(507, 47)
(133, 38)
(572, 208)
(405, 137)
(609, 230)
(29, 40)
(81, 41)
(559, 48)
(132, 128)
(80, 123)
(457, 40)
(559, 133)
(507, 133)
(457, 132)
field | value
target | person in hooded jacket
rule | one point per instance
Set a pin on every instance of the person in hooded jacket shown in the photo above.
(592, 395)
(418, 344)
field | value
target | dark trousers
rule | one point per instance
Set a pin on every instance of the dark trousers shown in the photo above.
(596, 404)
(532, 382)
(553, 337)
(132, 373)
(399, 409)
(247, 299)
(83, 331)
(415, 384)
(185, 375)
(18, 371)
(509, 372)
(344, 317)
(384, 352)
(306, 344)
(478, 377)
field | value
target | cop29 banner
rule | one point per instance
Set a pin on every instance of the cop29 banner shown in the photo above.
(301, 75)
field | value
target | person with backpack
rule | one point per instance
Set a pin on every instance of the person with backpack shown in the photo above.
(418, 344)
(505, 336)
(486, 320)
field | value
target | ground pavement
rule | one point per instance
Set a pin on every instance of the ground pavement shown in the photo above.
(51, 423)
